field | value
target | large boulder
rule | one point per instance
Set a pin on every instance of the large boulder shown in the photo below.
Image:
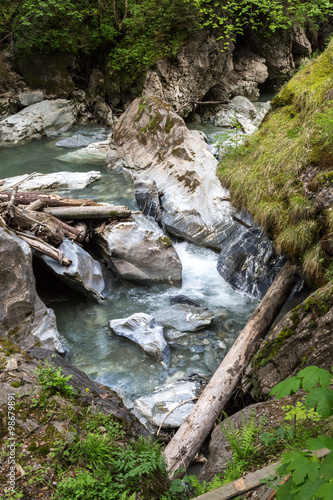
(83, 275)
(302, 338)
(239, 110)
(139, 254)
(23, 316)
(150, 139)
(52, 182)
(46, 118)
(185, 317)
(250, 263)
(142, 329)
(197, 68)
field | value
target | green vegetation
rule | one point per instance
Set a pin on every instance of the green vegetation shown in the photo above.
(264, 176)
(131, 35)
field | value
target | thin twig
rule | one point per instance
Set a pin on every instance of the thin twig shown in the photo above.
(173, 409)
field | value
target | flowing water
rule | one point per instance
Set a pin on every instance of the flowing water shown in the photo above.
(83, 324)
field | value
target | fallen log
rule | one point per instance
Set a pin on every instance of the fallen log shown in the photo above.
(190, 436)
(100, 211)
(50, 200)
(44, 248)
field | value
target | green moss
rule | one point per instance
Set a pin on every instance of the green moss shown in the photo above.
(142, 106)
(17, 384)
(9, 347)
(320, 303)
(38, 343)
(169, 123)
(270, 349)
(166, 241)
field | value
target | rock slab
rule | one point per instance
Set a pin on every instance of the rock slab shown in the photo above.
(142, 329)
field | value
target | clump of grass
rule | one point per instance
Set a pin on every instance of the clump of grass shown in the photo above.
(313, 262)
(264, 177)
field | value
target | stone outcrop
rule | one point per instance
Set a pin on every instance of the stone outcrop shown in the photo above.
(46, 118)
(250, 263)
(151, 140)
(83, 275)
(302, 338)
(239, 110)
(53, 181)
(23, 316)
(139, 254)
(197, 68)
(142, 329)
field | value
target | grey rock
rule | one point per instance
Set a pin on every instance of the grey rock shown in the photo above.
(83, 275)
(23, 316)
(155, 406)
(300, 43)
(53, 181)
(139, 254)
(250, 263)
(185, 318)
(29, 97)
(197, 68)
(142, 329)
(95, 151)
(182, 168)
(147, 198)
(76, 141)
(182, 299)
(46, 118)
(241, 110)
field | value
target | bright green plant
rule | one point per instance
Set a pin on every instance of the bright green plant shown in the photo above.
(52, 380)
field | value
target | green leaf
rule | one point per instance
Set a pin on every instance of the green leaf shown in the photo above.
(325, 491)
(312, 376)
(320, 442)
(322, 400)
(176, 486)
(286, 387)
(326, 468)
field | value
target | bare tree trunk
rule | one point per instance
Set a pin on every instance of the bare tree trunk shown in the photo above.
(187, 441)
(98, 212)
(44, 248)
(50, 200)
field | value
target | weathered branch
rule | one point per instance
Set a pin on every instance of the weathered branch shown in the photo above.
(105, 211)
(44, 248)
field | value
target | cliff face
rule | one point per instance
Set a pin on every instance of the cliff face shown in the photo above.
(282, 175)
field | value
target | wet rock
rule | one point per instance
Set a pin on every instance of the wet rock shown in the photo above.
(155, 406)
(23, 316)
(46, 118)
(147, 198)
(95, 151)
(300, 43)
(250, 263)
(139, 254)
(83, 275)
(302, 338)
(142, 329)
(76, 141)
(52, 182)
(153, 141)
(197, 68)
(182, 299)
(185, 318)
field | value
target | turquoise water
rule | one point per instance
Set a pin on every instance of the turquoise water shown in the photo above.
(84, 325)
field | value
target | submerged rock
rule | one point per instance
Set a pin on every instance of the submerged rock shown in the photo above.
(152, 140)
(139, 254)
(52, 182)
(142, 329)
(46, 118)
(250, 263)
(95, 151)
(185, 317)
(24, 318)
(182, 299)
(155, 406)
(76, 141)
(83, 275)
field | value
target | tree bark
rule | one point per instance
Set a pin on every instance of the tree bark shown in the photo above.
(44, 248)
(50, 200)
(187, 441)
(98, 212)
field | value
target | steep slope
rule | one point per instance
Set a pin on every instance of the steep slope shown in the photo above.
(283, 174)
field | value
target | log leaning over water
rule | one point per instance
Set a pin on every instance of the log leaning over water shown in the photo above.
(100, 211)
(190, 436)
(50, 200)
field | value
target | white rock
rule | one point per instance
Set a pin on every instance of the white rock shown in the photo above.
(95, 151)
(52, 182)
(46, 118)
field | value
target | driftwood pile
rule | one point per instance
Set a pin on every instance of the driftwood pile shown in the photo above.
(39, 219)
